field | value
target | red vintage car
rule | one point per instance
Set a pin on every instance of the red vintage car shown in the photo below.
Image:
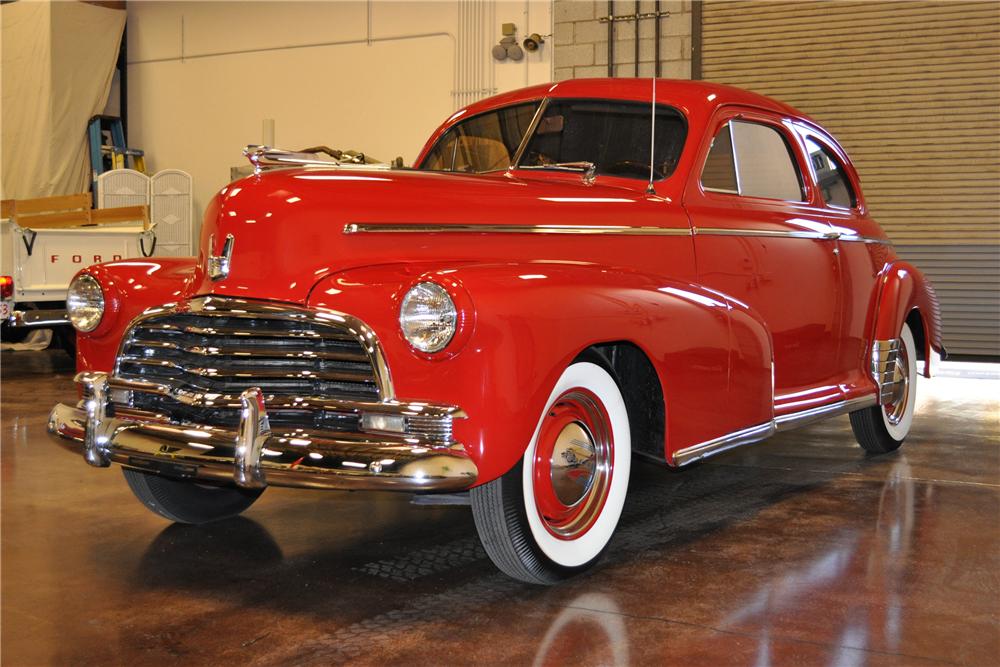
(571, 274)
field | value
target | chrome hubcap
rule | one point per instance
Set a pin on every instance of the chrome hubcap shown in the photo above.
(895, 409)
(572, 464)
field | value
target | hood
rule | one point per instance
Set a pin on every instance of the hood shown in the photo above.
(288, 225)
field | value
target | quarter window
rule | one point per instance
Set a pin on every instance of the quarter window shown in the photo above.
(752, 160)
(486, 142)
(831, 178)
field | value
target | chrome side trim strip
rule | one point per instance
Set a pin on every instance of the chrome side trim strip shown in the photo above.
(792, 234)
(747, 436)
(777, 233)
(865, 239)
(433, 228)
(404, 228)
(797, 419)
(688, 455)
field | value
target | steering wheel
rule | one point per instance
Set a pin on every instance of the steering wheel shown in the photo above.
(630, 167)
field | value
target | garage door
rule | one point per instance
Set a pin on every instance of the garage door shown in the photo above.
(912, 91)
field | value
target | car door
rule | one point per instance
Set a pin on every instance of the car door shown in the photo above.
(757, 240)
(861, 252)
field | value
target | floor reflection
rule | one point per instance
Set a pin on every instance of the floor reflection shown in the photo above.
(800, 551)
(591, 625)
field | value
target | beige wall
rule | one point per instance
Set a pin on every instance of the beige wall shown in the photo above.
(204, 75)
(581, 40)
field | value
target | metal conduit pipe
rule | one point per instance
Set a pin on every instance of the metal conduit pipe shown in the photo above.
(656, 42)
(611, 37)
(636, 65)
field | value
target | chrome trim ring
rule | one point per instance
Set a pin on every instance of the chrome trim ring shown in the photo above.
(572, 467)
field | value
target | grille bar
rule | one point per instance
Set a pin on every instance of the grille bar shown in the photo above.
(281, 352)
(213, 348)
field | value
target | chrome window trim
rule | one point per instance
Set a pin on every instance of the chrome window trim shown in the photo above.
(404, 228)
(526, 139)
(248, 309)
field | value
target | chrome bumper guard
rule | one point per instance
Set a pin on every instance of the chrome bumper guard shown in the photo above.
(254, 455)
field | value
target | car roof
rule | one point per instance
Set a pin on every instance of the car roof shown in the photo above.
(690, 96)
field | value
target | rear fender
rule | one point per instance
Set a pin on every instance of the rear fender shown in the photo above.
(524, 323)
(903, 289)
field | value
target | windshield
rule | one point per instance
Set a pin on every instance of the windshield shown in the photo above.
(486, 142)
(612, 135)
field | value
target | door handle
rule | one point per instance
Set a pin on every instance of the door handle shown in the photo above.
(832, 236)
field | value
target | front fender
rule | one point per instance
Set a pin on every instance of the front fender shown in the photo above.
(902, 288)
(130, 287)
(530, 320)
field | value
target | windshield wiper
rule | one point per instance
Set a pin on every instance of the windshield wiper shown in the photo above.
(587, 169)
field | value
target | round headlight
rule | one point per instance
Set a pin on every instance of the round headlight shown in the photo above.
(428, 317)
(85, 302)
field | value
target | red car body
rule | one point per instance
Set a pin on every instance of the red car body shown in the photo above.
(752, 313)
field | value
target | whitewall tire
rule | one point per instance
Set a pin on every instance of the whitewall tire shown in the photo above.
(554, 513)
(882, 428)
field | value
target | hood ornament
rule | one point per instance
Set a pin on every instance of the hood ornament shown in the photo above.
(218, 265)
(263, 157)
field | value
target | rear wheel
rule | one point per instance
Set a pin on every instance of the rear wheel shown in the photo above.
(188, 502)
(880, 429)
(552, 515)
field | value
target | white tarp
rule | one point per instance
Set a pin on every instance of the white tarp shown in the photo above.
(58, 60)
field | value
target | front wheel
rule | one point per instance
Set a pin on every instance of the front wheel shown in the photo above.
(188, 502)
(552, 515)
(880, 429)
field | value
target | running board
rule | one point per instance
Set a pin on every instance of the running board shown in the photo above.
(760, 432)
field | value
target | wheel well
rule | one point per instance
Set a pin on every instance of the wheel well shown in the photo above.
(916, 324)
(643, 395)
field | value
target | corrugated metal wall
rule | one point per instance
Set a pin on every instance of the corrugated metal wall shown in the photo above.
(912, 91)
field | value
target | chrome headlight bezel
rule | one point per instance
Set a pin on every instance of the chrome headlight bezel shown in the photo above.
(428, 317)
(85, 303)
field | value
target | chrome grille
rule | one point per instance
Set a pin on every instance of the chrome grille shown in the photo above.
(284, 352)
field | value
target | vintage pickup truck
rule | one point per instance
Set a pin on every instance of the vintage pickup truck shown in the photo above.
(570, 275)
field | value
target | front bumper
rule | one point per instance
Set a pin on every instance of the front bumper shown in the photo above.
(38, 319)
(253, 455)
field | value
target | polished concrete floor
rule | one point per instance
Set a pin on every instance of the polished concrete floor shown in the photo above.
(798, 551)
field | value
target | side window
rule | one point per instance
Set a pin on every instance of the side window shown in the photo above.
(752, 160)
(486, 142)
(719, 174)
(833, 183)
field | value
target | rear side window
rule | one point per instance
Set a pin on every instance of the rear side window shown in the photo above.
(752, 160)
(831, 178)
(486, 142)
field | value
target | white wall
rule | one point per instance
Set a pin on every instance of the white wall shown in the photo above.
(202, 76)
